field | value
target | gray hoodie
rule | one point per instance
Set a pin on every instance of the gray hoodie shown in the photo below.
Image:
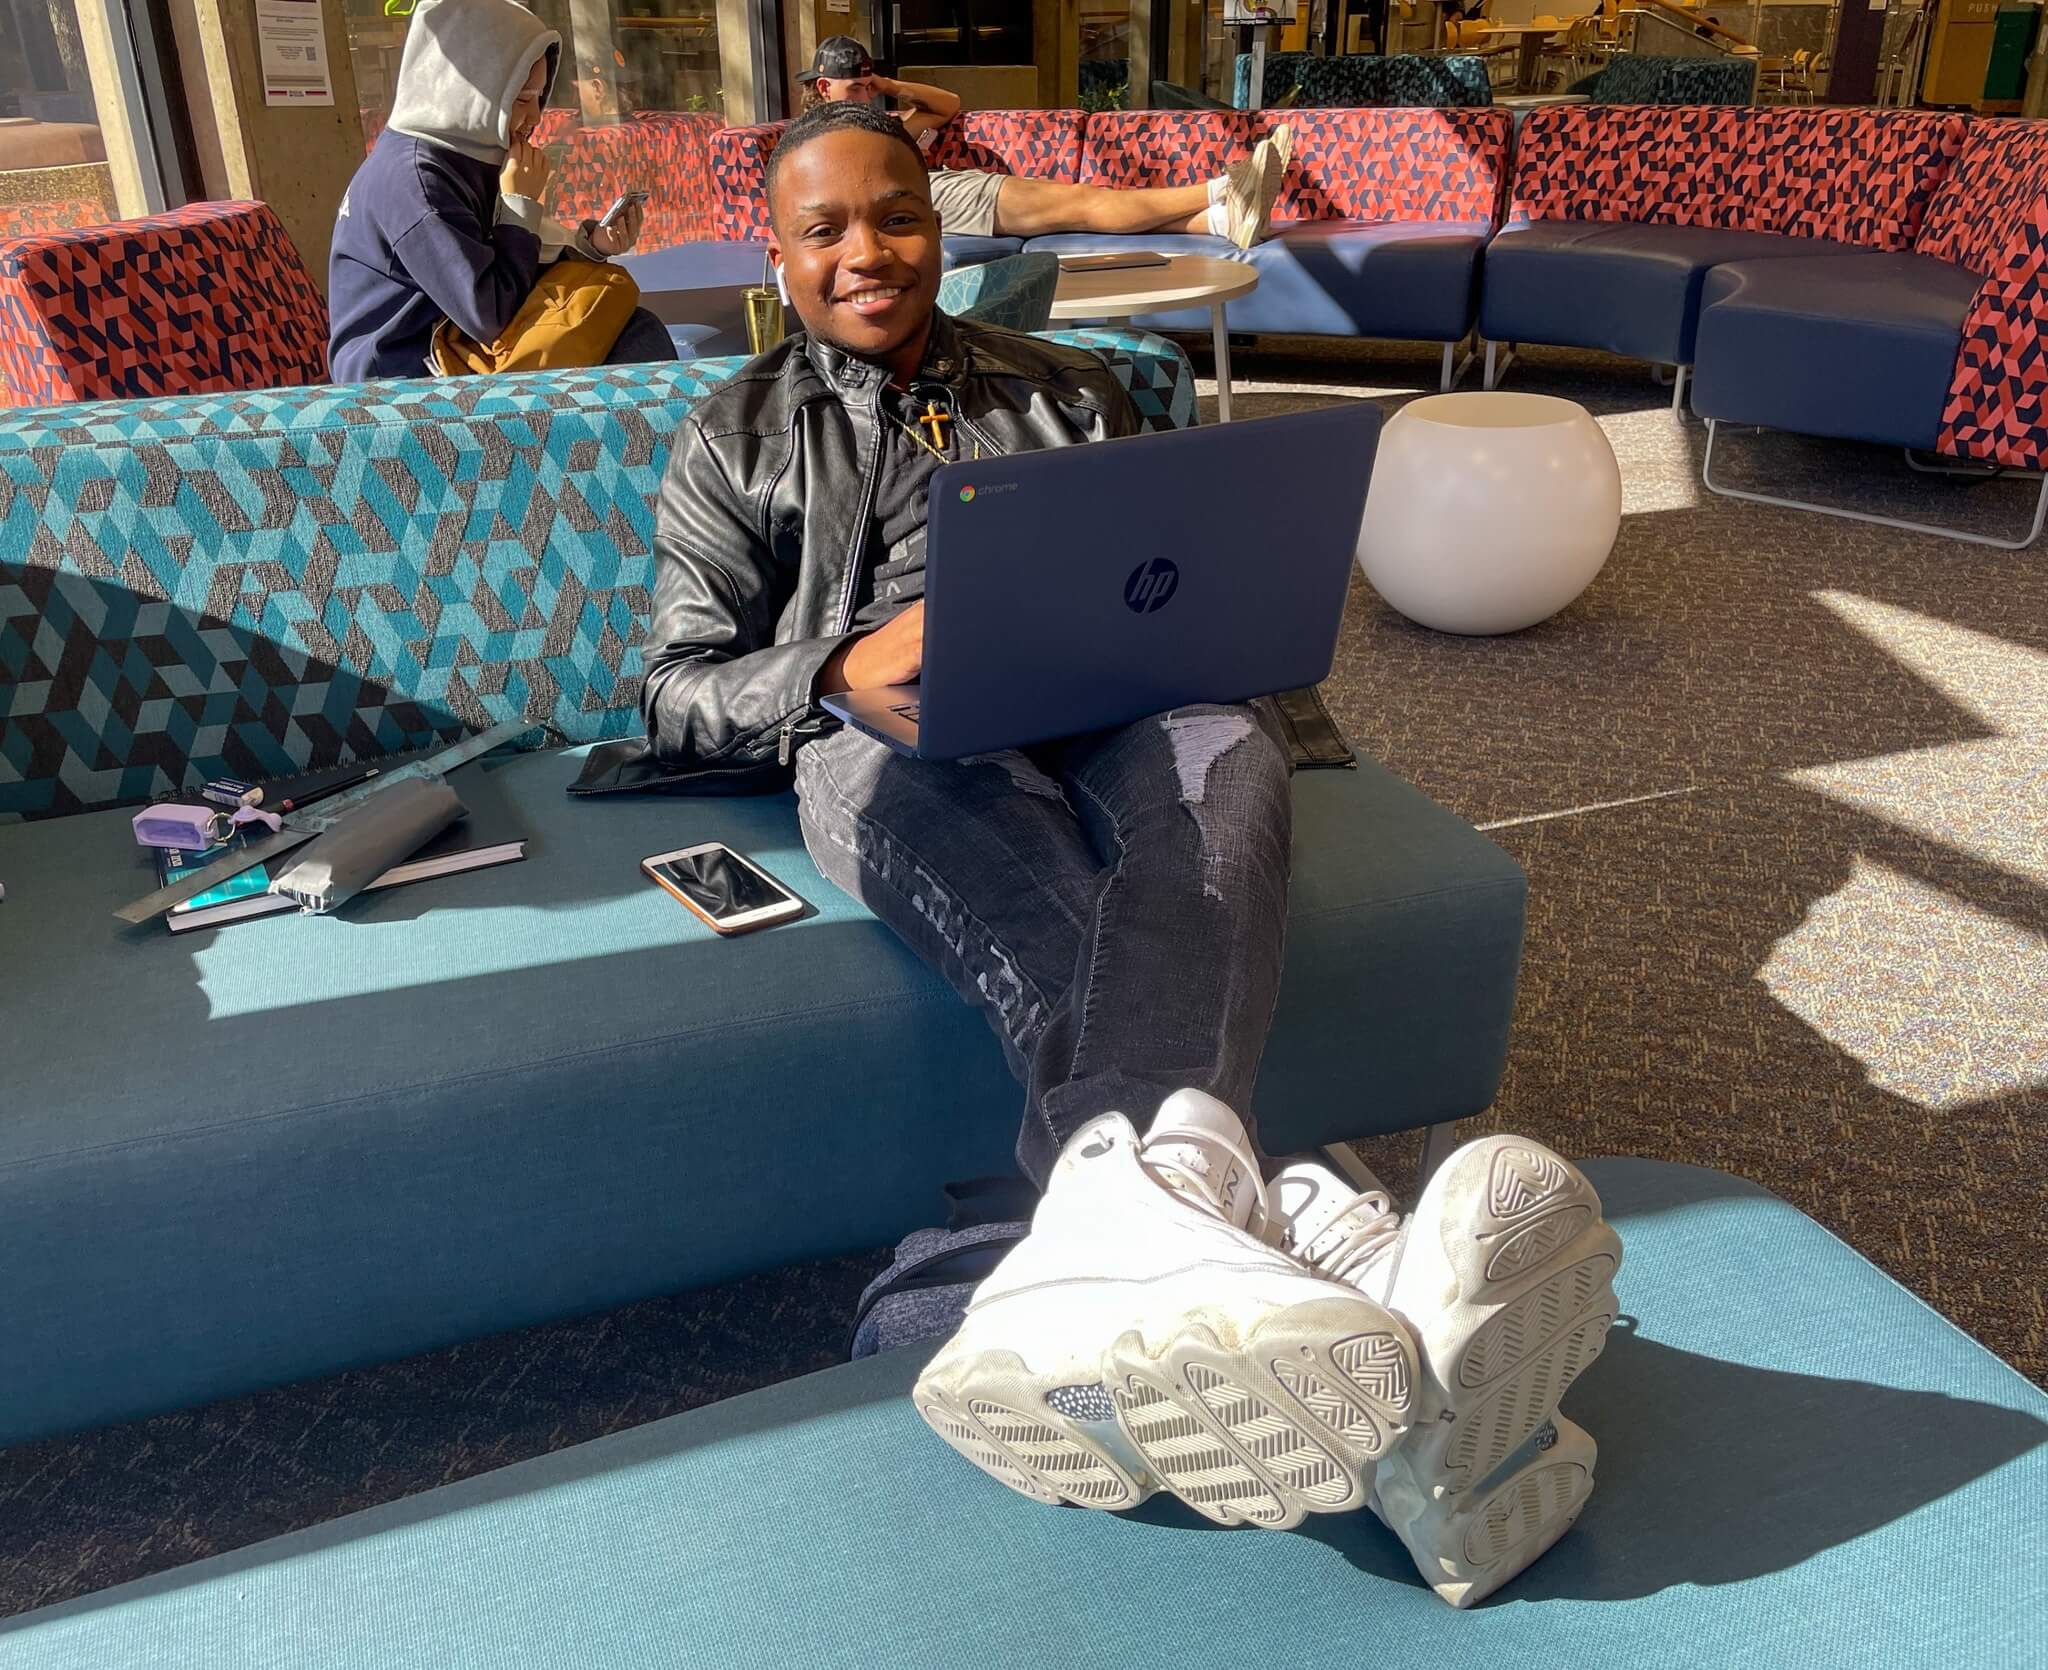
(423, 234)
(465, 62)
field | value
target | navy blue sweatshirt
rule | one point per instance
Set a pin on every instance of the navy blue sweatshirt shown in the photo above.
(419, 240)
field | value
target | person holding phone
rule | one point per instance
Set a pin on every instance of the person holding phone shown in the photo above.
(1237, 204)
(443, 221)
(1115, 907)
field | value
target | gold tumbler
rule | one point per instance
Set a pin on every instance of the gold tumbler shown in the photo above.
(764, 317)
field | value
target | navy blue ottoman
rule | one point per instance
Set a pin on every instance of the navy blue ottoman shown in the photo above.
(1619, 286)
(1859, 347)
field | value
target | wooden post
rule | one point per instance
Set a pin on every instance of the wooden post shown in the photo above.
(297, 158)
(114, 97)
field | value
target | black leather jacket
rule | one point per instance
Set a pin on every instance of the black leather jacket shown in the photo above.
(763, 526)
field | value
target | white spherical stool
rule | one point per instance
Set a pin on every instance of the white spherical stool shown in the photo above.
(1488, 512)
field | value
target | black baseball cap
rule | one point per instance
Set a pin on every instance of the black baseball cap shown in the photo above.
(840, 58)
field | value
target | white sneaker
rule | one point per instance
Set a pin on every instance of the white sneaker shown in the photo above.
(1505, 1274)
(1468, 1546)
(1252, 187)
(1145, 1336)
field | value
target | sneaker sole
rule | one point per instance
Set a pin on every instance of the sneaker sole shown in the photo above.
(1001, 1416)
(1523, 1328)
(1468, 1550)
(1285, 1424)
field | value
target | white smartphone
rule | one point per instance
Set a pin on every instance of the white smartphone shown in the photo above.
(727, 893)
(621, 206)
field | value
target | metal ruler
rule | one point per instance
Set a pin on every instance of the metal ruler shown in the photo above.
(317, 819)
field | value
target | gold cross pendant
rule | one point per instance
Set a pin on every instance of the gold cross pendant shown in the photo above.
(935, 420)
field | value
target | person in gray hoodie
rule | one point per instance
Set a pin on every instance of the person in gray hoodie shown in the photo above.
(444, 218)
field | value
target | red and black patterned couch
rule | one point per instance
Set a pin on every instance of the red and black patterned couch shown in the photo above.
(209, 297)
(1384, 215)
(1868, 275)
(666, 153)
(1618, 212)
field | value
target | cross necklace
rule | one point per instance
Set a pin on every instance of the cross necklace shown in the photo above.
(935, 418)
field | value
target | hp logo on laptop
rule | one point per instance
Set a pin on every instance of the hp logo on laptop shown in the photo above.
(1151, 586)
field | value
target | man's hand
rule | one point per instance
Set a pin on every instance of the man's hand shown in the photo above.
(892, 654)
(621, 235)
(526, 171)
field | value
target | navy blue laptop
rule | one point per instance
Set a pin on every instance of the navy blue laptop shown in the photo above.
(1084, 587)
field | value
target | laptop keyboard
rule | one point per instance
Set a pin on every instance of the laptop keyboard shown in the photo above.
(907, 711)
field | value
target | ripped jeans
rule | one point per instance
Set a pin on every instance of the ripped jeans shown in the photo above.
(1115, 905)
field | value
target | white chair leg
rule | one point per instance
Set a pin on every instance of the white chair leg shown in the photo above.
(2033, 532)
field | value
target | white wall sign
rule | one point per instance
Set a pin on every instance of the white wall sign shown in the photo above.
(291, 52)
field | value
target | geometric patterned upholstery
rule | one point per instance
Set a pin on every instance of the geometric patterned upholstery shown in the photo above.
(1645, 78)
(1991, 216)
(1133, 148)
(1038, 144)
(210, 297)
(739, 175)
(254, 583)
(1437, 81)
(664, 153)
(1015, 292)
(1397, 164)
(1363, 164)
(85, 199)
(554, 124)
(1854, 176)
(1976, 217)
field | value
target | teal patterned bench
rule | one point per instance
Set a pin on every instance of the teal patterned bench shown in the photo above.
(240, 584)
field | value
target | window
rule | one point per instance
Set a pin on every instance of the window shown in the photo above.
(618, 56)
(53, 157)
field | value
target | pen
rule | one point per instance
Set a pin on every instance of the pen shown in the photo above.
(306, 800)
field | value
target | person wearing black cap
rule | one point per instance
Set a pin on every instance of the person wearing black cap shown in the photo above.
(1237, 204)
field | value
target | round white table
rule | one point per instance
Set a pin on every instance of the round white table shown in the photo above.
(1185, 281)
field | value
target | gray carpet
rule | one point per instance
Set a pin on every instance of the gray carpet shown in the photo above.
(1781, 786)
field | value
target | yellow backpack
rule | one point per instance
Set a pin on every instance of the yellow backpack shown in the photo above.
(572, 317)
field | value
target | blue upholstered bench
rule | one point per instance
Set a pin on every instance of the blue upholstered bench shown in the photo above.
(236, 1158)
(1800, 1465)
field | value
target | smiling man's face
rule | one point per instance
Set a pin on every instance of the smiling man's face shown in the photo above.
(859, 247)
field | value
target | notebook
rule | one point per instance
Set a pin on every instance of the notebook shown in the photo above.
(486, 835)
(1111, 260)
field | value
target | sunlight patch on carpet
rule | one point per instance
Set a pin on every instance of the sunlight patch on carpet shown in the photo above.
(1940, 1001)
(1986, 796)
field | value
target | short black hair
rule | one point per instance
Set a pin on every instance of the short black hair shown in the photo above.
(822, 119)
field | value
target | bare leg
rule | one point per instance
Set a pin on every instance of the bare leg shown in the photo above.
(1027, 208)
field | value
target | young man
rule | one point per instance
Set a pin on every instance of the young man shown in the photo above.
(1237, 204)
(1114, 905)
